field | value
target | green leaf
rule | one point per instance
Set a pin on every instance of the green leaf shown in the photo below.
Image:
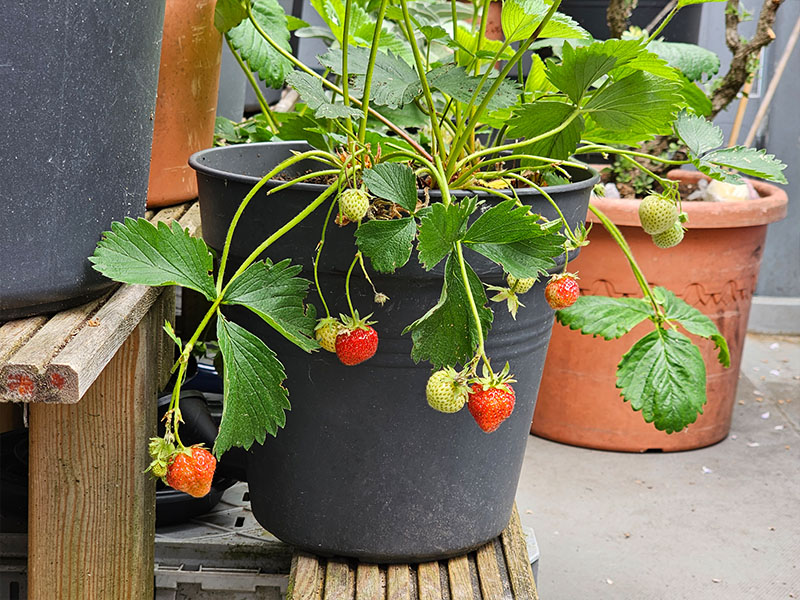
(255, 399)
(610, 318)
(694, 322)
(695, 98)
(691, 60)
(457, 83)
(387, 243)
(394, 82)
(293, 23)
(447, 335)
(393, 182)
(138, 252)
(537, 77)
(467, 42)
(527, 258)
(502, 224)
(519, 18)
(434, 32)
(294, 126)
(260, 56)
(537, 118)
(276, 294)
(228, 14)
(749, 161)
(310, 90)
(697, 133)
(639, 106)
(561, 26)
(664, 377)
(441, 227)
(682, 3)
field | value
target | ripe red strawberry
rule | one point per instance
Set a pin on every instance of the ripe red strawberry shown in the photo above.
(191, 471)
(562, 291)
(491, 400)
(357, 341)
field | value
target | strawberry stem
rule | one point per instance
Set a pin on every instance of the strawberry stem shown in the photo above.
(347, 285)
(319, 253)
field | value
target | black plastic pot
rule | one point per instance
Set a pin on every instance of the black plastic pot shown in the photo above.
(78, 94)
(364, 467)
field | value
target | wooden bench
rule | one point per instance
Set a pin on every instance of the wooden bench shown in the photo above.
(89, 377)
(500, 570)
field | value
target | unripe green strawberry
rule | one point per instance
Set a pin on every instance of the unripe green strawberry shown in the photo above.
(354, 204)
(520, 286)
(326, 331)
(669, 238)
(446, 391)
(657, 214)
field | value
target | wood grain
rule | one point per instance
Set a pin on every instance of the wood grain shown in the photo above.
(14, 334)
(304, 578)
(489, 573)
(428, 581)
(368, 583)
(516, 554)
(398, 582)
(460, 579)
(338, 581)
(91, 506)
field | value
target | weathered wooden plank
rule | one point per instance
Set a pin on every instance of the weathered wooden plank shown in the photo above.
(166, 349)
(489, 576)
(460, 580)
(338, 581)
(428, 581)
(398, 582)
(304, 578)
(190, 220)
(91, 506)
(15, 334)
(170, 213)
(368, 583)
(519, 566)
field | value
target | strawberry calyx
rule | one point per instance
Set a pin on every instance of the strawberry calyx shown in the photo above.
(351, 323)
(560, 276)
(509, 296)
(162, 451)
(489, 379)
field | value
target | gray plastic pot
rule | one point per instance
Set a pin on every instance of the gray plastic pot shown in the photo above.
(78, 94)
(364, 467)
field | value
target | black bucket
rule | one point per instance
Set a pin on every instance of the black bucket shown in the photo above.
(78, 94)
(365, 467)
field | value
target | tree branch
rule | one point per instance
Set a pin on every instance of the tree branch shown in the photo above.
(617, 15)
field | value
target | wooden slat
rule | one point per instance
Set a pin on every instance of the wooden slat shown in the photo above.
(304, 578)
(460, 580)
(429, 582)
(91, 518)
(519, 566)
(368, 583)
(398, 582)
(338, 581)
(14, 334)
(489, 573)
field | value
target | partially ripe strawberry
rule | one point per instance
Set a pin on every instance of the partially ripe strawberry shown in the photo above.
(491, 399)
(657, 214)
(354, 204)
(191, 471)
(520, 286)
(669, 238)
(326, 331)
(446, 391)
(357, 340)
(562, 291)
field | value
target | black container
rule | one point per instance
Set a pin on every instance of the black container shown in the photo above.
(591, 15)
(364, 467)
(78, 94)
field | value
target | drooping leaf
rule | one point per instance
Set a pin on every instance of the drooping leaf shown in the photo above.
(537, 118)
(447, 334)
(693, 61)
(388, 244)
(393, 182)
(310, 90)
(255, 400)
(609, 318)
(276, 294)
(694, 322)
(260, 56)
(748, 161)
(294, 126)
(138, 252)
(439, 228)
(664, 377)
(502, 224)
(526, 258)
(698, 134)
(457, 83)
(228, 14)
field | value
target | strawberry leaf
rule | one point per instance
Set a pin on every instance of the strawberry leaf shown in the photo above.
(446, 335)
(749, 161)
(664, 377)
(138, 252)
(610, 318)
(387, 243)
(260, 56)
(535, 119)
(310, 90)
(255, 399)
(393, 182)
(276, 294)
(694, 322)
(504, 223)
(440, 227)
(699, 134)
(228, 14)
(457, 83)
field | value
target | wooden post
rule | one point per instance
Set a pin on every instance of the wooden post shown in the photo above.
(91, 506)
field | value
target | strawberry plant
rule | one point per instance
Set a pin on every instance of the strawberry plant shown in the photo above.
(415, 120)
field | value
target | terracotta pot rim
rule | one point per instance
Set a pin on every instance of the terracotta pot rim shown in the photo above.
(770, 207)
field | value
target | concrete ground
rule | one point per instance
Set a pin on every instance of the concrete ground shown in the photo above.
(718, 523)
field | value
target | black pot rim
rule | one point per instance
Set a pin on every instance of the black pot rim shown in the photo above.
(196, 162)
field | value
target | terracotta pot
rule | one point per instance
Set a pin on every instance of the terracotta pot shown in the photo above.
(714, 269)
(494, 27)
(187, 99)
